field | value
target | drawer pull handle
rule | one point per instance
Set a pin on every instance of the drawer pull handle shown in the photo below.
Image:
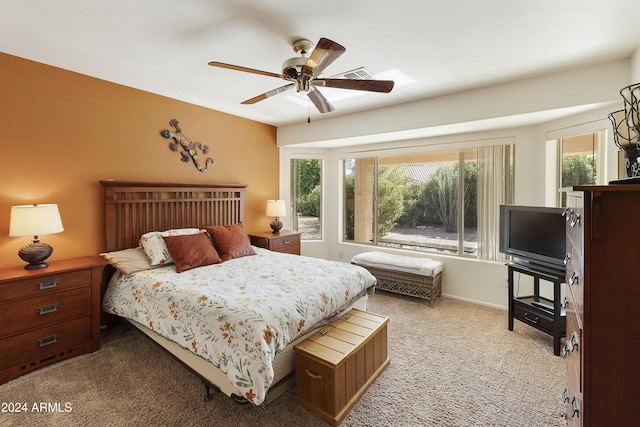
(574, 407)
(536, 320)
(48, 284)
(286, 241)
(569, 346)
(567, 257)
(52, 339)
(47, 309)
(575, 220)
(312, 375)
(565, 395)
(573, 279)
(575, 340)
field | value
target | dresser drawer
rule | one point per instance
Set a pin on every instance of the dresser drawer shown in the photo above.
(575, 282)
(44, 342)
(43, 310)
(27, 287)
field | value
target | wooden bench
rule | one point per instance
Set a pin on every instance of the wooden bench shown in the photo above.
(336, 365)
(417, 277)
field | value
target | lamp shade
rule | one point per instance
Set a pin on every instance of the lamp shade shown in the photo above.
(276, 208)
(34, 220)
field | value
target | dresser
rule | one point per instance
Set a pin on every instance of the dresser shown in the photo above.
(602, 347)
(48, 314)
(286, 241)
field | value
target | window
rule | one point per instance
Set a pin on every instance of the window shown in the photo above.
(306, 197)
(578, 162)
(429, 201)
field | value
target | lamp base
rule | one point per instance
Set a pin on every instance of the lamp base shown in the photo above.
(276, 225)
(35, 254)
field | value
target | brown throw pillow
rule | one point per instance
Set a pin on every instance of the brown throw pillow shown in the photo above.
(231, 241)
(191, 251)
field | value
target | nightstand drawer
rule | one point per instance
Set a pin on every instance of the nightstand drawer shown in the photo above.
(281, 243)
(287, 241)
(43, 342)
(41, 285)
(37, 312)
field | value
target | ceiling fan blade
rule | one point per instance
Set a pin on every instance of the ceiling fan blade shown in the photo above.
(245, 69)
(321, 103)
(383, 86)
(325, 52)
(269, 94)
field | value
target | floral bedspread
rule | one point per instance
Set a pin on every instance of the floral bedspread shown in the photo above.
(238, 314)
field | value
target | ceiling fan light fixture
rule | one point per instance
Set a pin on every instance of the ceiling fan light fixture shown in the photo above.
(291, 67)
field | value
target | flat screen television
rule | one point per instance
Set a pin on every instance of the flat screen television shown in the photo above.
(534, 235)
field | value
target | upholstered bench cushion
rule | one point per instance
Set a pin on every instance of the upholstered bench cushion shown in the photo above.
(407, 264)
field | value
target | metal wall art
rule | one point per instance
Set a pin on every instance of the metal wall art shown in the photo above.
(189, 149)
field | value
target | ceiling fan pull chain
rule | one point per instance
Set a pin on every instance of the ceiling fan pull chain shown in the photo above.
(308, 110)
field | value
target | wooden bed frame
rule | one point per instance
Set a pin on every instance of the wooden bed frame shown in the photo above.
(135, 208)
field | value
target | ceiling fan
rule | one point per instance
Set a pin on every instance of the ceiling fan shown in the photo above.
(305, 74)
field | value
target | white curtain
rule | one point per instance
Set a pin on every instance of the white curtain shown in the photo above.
(495, 188)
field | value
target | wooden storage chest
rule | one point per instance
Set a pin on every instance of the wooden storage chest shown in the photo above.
(336, 365)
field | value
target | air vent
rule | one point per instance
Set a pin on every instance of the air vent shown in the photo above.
(357, 74)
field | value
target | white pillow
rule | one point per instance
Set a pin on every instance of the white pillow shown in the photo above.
(129, 260)
(153, 245)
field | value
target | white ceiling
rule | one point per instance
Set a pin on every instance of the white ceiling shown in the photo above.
(163, 46)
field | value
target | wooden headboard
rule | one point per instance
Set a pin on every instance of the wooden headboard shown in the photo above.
(135, 208)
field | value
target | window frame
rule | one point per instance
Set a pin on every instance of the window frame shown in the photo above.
(375, 154)
(293, 203)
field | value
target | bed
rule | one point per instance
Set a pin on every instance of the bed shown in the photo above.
(234, 322)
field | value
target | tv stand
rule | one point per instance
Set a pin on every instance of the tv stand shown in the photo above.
(542, 313)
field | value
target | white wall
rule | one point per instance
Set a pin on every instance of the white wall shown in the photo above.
(563, 90)
(468, 279)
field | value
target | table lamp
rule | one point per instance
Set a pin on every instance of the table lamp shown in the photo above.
(35, 220)
(277, 209)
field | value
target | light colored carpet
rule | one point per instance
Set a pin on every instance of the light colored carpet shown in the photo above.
(455, 364)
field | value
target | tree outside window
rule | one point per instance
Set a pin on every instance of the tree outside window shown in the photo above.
(306, 197)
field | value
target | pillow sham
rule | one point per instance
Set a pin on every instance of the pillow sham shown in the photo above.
(129, 261)
(231, 241)
(153, 245)
(191, 251)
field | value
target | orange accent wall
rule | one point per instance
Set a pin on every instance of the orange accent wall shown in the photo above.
(62, 132)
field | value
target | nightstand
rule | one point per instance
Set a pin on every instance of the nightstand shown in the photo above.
(286, 241)
(48, 314)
